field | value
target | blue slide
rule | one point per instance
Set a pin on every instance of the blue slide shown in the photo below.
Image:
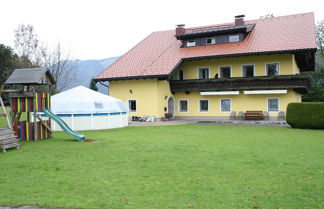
(63, 125)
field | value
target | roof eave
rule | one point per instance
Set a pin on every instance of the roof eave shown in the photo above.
(132, 78)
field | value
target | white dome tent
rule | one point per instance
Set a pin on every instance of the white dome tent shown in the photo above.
(84, 109)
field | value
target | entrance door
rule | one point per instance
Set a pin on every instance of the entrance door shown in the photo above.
(171, 106)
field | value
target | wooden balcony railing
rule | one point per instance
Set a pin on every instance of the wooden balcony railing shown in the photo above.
(299, 83)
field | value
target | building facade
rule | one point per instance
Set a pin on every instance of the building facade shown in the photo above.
(216, 71)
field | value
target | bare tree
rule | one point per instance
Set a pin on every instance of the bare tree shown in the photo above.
(320, 38)
(61, 67)
(33, 53)
(27, 46)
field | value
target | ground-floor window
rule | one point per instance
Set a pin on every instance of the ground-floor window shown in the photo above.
(183, 105)
(132, 105)
(225, 105)
(273, 104)
(203, 105)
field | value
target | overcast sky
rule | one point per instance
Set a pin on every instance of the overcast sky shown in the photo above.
(95, 29)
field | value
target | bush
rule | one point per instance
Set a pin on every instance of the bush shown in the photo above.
(306, 115)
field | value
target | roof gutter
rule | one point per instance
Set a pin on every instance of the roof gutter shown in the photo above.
(252, 53)
(161, 77)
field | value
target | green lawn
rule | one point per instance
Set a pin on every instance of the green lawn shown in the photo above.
(185, 166)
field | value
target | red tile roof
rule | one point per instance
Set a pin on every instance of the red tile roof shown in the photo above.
(160, 52)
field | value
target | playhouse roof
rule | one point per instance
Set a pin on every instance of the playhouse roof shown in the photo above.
(158, 54)
(82, 100)
(31, 76)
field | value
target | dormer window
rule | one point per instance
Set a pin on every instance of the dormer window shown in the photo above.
(191, 43)
(233, 38)
(210, 41)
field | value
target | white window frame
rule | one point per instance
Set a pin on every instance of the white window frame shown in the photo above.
(278, 104)
(213, 41)
(219, 70)
(191, 43)
(229, 38)
(200, 108)
(220, 104)
(198, 69)
(242, 73)
(266, 70)
(129, 110)
(179, 106)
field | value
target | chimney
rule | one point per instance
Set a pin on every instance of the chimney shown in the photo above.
(239, 20)
(180, 29)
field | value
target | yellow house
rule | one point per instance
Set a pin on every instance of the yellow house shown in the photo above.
(218, 71)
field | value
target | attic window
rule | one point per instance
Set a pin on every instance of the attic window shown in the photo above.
(191, 43)
(98, 105)
(233, 38)
(210, 41)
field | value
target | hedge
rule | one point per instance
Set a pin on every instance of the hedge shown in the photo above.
(306, 115)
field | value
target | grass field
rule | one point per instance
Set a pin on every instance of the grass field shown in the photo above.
(185, 166)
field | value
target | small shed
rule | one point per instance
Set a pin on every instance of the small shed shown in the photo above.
(84, 109)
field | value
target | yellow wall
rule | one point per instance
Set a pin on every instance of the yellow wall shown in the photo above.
(286, 61)
(151, 95)
(239, 102)
(295, 66)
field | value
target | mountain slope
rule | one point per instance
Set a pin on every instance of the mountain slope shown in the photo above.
(88, 69)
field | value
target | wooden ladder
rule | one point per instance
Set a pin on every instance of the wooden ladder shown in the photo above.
(4, 114)
(7, 136)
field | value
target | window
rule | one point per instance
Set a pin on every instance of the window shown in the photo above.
(272, 69)
(178, 75)
(273, 104)
(247, 70)
(225, 105)
(183, 105)
(225, 71)
(191, 43)
(233, 38)
(203, 73)
(203, 105)
(210, 41)
(98, 105)
(132, 105)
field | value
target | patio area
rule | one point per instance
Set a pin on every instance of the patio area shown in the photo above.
(281, 123)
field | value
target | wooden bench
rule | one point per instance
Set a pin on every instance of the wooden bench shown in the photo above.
(253, 115)
(8, 139)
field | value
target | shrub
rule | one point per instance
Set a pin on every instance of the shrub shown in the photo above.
(306, 115)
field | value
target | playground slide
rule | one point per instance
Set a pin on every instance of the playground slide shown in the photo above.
(63, 125)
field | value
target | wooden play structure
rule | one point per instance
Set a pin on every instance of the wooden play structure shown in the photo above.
(29, 94)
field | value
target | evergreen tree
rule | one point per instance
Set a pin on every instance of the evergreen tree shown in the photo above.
(93, 85)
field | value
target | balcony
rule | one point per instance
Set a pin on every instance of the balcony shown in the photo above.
(297, 82)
